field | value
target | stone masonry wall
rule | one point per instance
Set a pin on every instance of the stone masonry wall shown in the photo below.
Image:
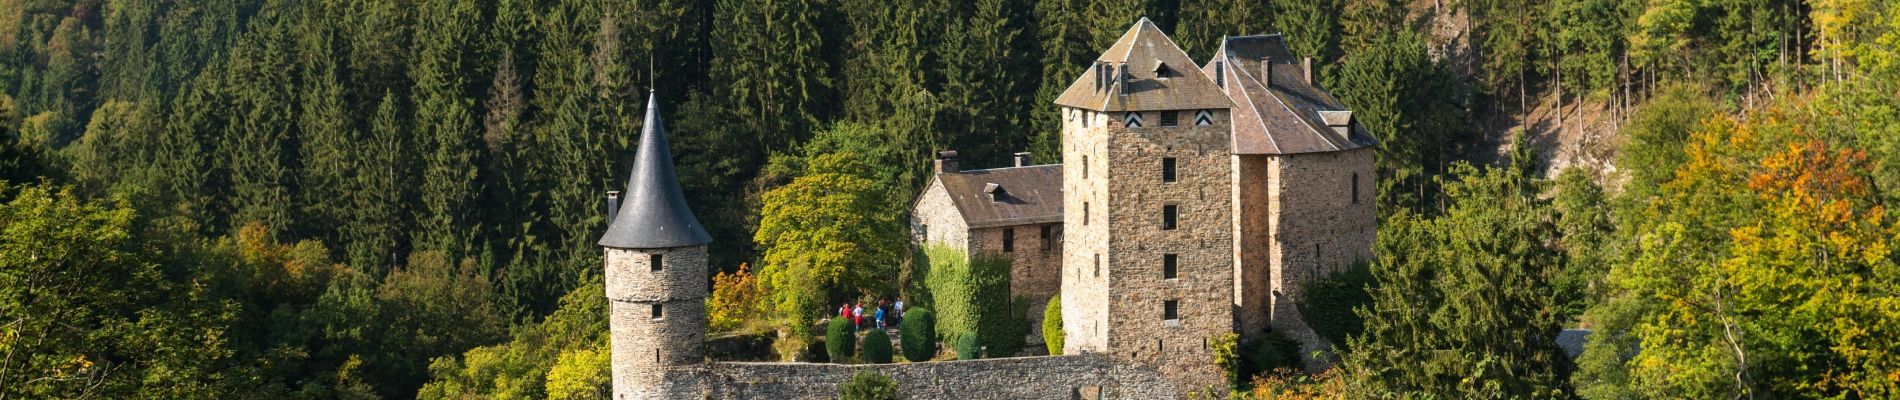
(934, 219)
(1252, 244)
(1202, 243)
(1035, 272)
(1317, 228)
(1048, 377)
(1085, 294)
(647, 351)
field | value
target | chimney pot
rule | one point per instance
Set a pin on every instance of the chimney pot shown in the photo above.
(946, 161)
(1307, 64)
(1023, 160)
(613, 205)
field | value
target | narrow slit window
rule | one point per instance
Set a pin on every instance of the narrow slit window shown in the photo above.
(1098, 265)
(1085, 166)
(656, 261)
(657, 314)
(1170, 266)
(1009, 240)
(1169, 216)
(1085, 213)
(1355, 188)
(1167, 170)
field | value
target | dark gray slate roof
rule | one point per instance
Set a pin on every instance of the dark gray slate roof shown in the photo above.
(654, 213)
(1031, 195)
(1572, 340)
(1282, 113)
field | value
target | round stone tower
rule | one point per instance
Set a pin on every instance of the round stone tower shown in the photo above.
(656, 278)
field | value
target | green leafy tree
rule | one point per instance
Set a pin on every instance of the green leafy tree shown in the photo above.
(826, 230)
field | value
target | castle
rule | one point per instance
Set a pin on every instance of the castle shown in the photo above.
(1192, 201)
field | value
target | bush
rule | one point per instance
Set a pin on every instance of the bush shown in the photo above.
(839, 340)
(1052, 333)
(867, 385)
(1269, 352)
(877, 347)
(919, 330)
(969, 347)
(1327, 304)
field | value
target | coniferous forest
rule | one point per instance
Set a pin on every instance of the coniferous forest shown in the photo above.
(399, 199)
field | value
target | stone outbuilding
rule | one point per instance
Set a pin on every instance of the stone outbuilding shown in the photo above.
(1013, 212)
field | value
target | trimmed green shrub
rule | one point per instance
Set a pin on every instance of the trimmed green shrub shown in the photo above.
(867, 385)
(877, 347)
(839, 340)
(969, 347)
(919, 334)
(1052, 333)
(1006, 336)
(1267, 353)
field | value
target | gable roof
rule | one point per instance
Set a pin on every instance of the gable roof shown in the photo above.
(1139, 53)
(654, 213)
(1281, 113)
(1031, 195)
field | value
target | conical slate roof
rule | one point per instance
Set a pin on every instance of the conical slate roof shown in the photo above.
(654, 213)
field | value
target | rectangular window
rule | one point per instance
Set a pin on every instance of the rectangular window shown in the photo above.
(1085, 166)
(1048, 237)
(1170, 118)
(654, 261)
(1355, 188)
(1169, 264)
(1098, 265)
(1085, 213)
(1009, 240)
(656, 311)
(1171, 311)
(1169, 213)
(1167, 169)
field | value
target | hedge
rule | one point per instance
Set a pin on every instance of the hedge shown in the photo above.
(919, 334)
(877, 347)
(839, 340)
(1052, 333)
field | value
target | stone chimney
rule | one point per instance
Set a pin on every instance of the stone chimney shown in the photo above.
(1266, 72)
(1121, 79)
(1024, 160)
(1307, 64)
(947, 161)
(613, 205)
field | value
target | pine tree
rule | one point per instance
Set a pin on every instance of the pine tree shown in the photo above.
(445, 129)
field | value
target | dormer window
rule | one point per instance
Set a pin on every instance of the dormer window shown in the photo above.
(995, 191)
(1162, 71)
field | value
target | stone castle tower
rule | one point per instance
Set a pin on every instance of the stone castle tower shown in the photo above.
(656, 277)
(1148, 268)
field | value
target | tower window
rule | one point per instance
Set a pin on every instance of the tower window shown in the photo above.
(1169, 213)
(1171, 311)
(1085, 213)
(656, 312)
(1048, 237)
(1170, 118)
(1355, 188)
(654, 261)
(1085, 166)
(1167, 169)
(1169, 265)
(1009, 240)
(1098, 265)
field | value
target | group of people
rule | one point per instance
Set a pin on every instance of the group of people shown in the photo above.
(883, 314)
